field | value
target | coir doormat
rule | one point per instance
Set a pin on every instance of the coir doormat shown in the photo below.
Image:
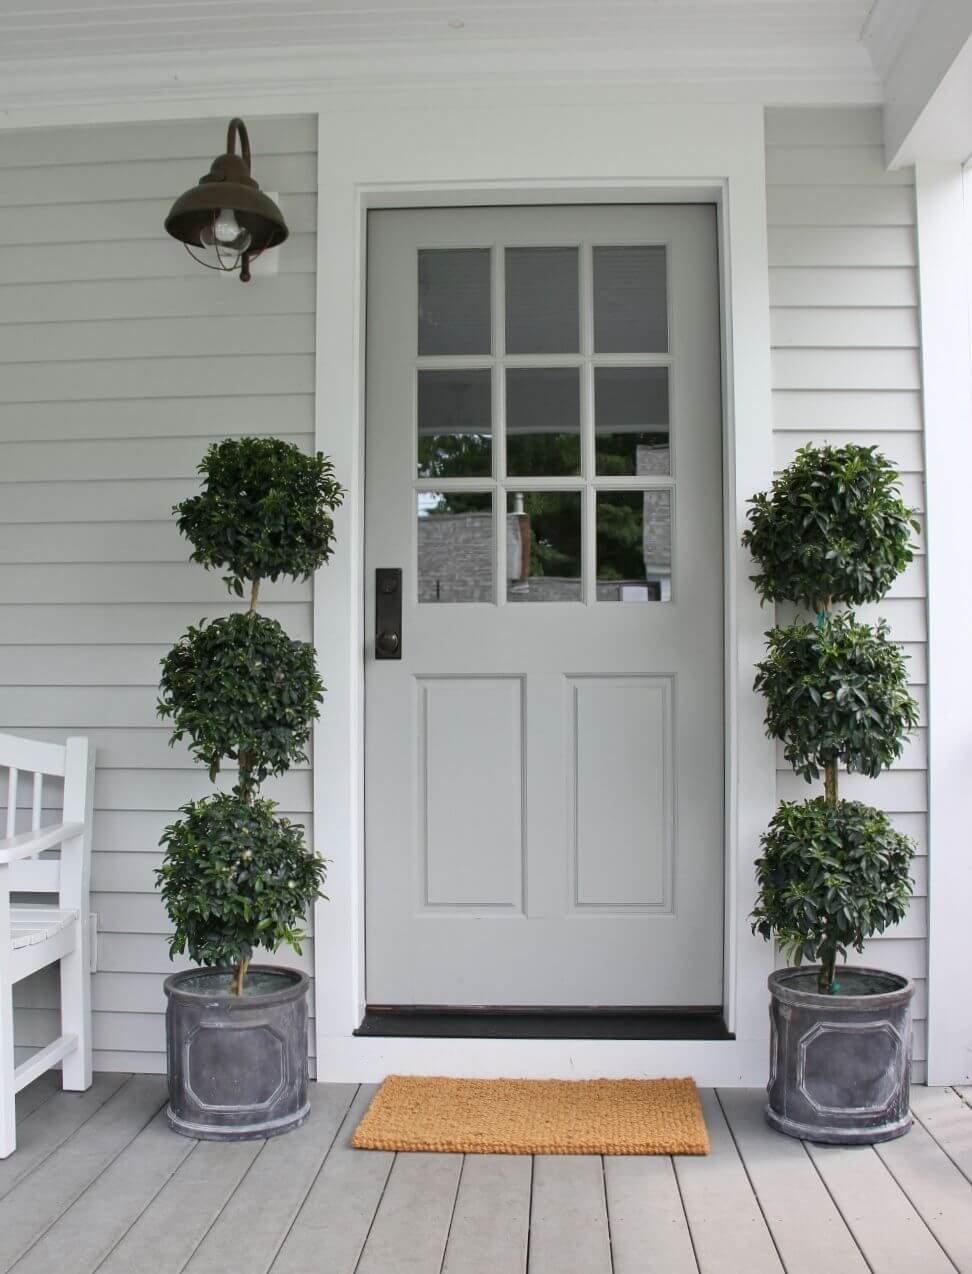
(535, 1116)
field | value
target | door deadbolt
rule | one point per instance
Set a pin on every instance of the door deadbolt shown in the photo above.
(388, 613)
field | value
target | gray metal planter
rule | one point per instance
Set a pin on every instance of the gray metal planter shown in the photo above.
(237, 1064)
(840, 1065)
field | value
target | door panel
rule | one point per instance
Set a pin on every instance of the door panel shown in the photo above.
(544, 762)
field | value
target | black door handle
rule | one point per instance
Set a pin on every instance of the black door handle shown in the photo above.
(388, 613)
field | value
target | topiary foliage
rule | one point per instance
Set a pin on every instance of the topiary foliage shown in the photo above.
(240, 688)
(830, 876)
(836, 692)
(235, 877)
(832, 528)
(264, 511)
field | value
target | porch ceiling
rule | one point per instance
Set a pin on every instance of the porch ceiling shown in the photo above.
(83, 28)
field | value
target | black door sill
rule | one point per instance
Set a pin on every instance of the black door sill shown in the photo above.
(545, 1024)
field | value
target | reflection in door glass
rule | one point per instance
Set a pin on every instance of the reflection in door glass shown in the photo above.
(631, 434)
(543, 421)
(634, 546)
(543, 546)
(454, 424)
(455, 546)
(453, 301)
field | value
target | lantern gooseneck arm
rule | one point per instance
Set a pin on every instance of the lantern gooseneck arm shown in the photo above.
(237, 129)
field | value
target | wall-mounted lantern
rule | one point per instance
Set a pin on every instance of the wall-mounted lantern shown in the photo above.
(227, 217)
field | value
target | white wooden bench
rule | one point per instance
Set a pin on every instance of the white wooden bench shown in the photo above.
(34, 936)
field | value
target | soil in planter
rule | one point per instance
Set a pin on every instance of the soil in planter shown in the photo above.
(849, 981)
(219, 982)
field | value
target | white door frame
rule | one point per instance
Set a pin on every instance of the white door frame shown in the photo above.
(392, 153)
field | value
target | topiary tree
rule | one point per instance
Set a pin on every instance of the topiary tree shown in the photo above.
(833, 529)
(235, 876)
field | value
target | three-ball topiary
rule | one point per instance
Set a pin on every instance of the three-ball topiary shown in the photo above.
(235, 876)
(833, 529)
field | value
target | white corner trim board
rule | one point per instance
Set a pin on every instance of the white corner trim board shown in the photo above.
(392, 154)
(944, 210)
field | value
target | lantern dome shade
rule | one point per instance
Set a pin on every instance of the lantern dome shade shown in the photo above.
(227, 185)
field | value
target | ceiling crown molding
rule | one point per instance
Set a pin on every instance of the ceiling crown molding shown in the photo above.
(819, 74)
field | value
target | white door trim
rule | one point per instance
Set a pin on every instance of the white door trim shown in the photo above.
(390, 154)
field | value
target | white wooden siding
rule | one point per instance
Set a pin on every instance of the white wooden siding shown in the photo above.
(120, 361)
(843, 288)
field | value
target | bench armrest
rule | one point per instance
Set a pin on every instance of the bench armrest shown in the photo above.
(27, 844)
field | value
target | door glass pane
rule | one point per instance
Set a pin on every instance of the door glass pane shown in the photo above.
(634, 546)
(631, 421)
(630, 300)
(454, 424)
(542, 293)
(543, 421)
(453, 301)
(543, 546)
(455, 546)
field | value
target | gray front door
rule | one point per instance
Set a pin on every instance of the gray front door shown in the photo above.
(544, 776)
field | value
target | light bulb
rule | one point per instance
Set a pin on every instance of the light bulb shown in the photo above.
(225, 232)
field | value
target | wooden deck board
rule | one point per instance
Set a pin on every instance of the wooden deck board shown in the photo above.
(936, 1189)
(330, 1230)
(887, 1228)
(100, 1184)
(569, 1231)
(411, 1226)
(272, 1193)
(177, 1220)
(35, 1094)
(724, 1216)
(87, 1231)
(808, 1229)
(51, 1124)
(649, 1231)
(39, 1199)
(490, 1228)
(949, 1120)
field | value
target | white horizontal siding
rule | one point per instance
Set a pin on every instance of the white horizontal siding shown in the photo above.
(120, 361)
(843, 291)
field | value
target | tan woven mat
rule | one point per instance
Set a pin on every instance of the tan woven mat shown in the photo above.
(535, 1116)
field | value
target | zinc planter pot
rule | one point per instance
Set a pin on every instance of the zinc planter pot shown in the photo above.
(237, 1063)
(840, 1065)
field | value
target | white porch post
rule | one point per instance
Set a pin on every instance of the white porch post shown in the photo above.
(945, 259)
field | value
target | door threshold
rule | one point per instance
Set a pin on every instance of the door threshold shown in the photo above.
(544, 1023)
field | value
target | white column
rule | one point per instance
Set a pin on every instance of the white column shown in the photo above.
(945, 262)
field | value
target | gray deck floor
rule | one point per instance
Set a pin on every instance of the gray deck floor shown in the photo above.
(99, 1183)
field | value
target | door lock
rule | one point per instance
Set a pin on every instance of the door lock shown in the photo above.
(388, 613)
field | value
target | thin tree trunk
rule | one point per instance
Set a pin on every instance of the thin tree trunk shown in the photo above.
(254, 594)
(825, 978)
(830, 782)
(239, 976)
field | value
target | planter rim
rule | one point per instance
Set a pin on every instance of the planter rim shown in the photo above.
(174, 989)
(900, 990)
